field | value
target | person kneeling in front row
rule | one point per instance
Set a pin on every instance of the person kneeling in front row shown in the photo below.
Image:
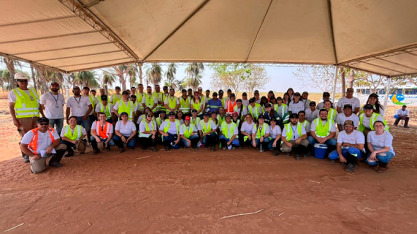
(189, 134)
(72, 136)
(148, 132)
(350, 144)
(101, 131)
(40, 143)
(228, 133)
(294, 136)
(169, 130)
(125, 133)
(260, 134)
(380, 147)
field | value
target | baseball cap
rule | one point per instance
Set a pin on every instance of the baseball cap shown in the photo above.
(251, 100)
(232, 95)
(234, 113)
(404, 105)
(349, 122)
(184, 91)
(297, 94)
(162, 112)
(347, 106)
(313, 103)
(326, 94)
(43, 120)
(294, 115)
(261, 117)
(267, 105)
(54, 83)
(104, 98)
(214, 94)
(20, 76)
(229, 90)
(133, 96)
(125, 93)
(368, 107)
(187, 117)
(194, 111)
(206, 114)
(220, 91)
(279, 98)
(171, 113)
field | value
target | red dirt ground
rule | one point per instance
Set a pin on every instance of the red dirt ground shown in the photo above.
(188, 191)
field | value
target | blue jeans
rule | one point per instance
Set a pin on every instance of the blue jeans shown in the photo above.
(170, 138)
(190, 138)
(212, 137)
(271, 141)
(330, 142)
(235, 141)
(85, 123)
(382, 157)
(352, 150)
(131, 143)
(57, 124)
(266, 140)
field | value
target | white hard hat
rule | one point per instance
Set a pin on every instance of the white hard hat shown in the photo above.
(20, 76)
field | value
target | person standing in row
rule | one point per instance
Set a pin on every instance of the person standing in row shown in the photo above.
(101, 131)
(171, 102)
(124, 105)
(93, 101)
(159, 97)
(107, 108)
(230, 104)
(24, 107)
(294, 136)
(305, 100)
(311, 112)
(296, 105)
(214, 104)
(72, 136)
(53, 104)
(349, 99)
(254, 109)
(185, 103)
(197, 104)
(149, 99)
(326, 97)
(115, 97)
(80, 107)
(139, 98)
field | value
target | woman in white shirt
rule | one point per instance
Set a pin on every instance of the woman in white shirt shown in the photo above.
(275, 134)
(380, 147)
(245, 134)
(125, 133)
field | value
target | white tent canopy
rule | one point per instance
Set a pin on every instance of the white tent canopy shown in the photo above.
(378, 36)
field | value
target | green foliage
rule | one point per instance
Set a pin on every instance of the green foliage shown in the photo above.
(154, 74)
(86, 79)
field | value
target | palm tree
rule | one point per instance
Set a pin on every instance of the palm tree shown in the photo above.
(193, 82)
(193, 72)
(122, 72)
(154, 74)
(170, 75)
(108, 79)
(86, 79)
(132, 77)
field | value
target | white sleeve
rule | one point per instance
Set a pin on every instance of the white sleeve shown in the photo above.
(303, 131)
(98, 108)
(308, 127)
(340, 102)
(111, 128)
(388, 140)
(279, 129)
(43, 99)
(132, 126)
(93, 125)
(27, 138)
(12, 97)
(178, 100)
(360, 138)
(181, 130)
(284, 132)
(55, 135)
(333, 128)
(407, 112)
(68, 103)
(357, 103)
(161, 128)
(268, 130)
(116, 106)
(340, 137)
(199, 126)
(312, 127)
(142, 127)
(118, 126)
(88, 101)
(139, 119)
(63, 132)
(166, 101)
(213, 125)
(236, 131)
(356, 121)
(83, 131)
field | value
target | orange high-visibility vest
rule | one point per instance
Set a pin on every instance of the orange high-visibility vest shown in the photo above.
(231, 106)
(105, 132)
(33, 145)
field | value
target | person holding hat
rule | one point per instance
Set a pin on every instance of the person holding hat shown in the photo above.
(222, 99)
(374, 101)
(24, 107)
(296, 105)
(323, 131)
(350, 145)
(294, 136)
(346, 115)
(80, 106)
(349, 99)
(282, 110)
(380, 147)
(311, 112)
(332, 113)
(207, 129)
(72, 136)
(185, 103)
(40, 143)
(214, 104)
(148, 131)
(368, 118)
(107, 108)
(275, 135)
(149, 99)
(101, 131)
(169, 130)
(114, 98)
(197, 104)
(270, 114)
(402, 114)
(124, 105)
(260, 134)
(125, 133)
(171, 102)
(254, 109)
(189, 133)
(231, 104)
(245, 134)
(229, 133)
(326, 97)
(53, 104)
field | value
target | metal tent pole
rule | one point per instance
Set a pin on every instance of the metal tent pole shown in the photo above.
(387, 92)
(334, 84)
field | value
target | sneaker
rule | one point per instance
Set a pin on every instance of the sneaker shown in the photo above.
(261, 150)
(233, 148)
(350, 167)
(69, 154)
(309, 154)
(96, 151)
(26, 159)
(224, 148)
(55, 164)
(153, 149)
(297, 156)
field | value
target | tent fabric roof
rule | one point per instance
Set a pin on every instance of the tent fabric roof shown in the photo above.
(374, 35)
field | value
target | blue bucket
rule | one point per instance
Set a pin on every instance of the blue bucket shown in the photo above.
(320, 151)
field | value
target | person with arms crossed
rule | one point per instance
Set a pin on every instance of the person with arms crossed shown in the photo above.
(101, 131)
(294, 136)
(72, 136)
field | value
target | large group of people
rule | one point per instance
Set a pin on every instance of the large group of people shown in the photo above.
(146, 118)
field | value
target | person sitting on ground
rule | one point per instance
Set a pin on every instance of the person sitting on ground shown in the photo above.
(215, 119)
(229, 133)
(148, 132)
(125, 133)
(349, 99)
(101, 131)
(236, 120)
(380, 147)
(297, 105)
(294, 136)
(270, 113)
(350, 144)
(254, 109)
(346, 115)
(188, 133)
(180, 117)
(275, 134)
(170, 132)
(160, 119)
(332, 113)
(402, 114)
(245, 136)
(207, 129)
(221, 116)
(312, 113)
(368, 118)
(323, 131)
(72, 136)
(40, 143)
(282, 110)
(194, 118)
(374, 102)
(260, 134)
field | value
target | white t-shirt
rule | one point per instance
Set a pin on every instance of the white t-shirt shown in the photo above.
(341, 118)
(310, 116)
(274, 132)
(152, 126)
(381, 141)
(313, 126)
(296, 107)
(353, 101)
(125, 129)
(320, 106)
(44, 140)
(295, 134)
(400, 112)
(355, 137)
(172, 127)
(245, 102)
(12, 96)
(367, 120)
(235, 131)
(93, 126)
(83, 131)
(247, 127)
(54, 105)
(79, 106)
(212, 125)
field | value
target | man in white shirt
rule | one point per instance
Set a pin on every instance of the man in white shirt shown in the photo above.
(80, 107)
(347, 115)
(402, 114)
(53, 104)
(350, 146)
(40, 143)
(296, 105)
(349, 99)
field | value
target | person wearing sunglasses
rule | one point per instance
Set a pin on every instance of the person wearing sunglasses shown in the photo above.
(148, 132)
(41, 143)
(24, 107)
(125, 133)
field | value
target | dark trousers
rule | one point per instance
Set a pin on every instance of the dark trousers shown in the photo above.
(147, 141)
(397, 120)
(210, 139)
(242, 140)
(166, 140)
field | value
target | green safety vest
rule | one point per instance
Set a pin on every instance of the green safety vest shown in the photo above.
(125, 108)
(172, 102)
(254, 111)
(205, 128)
(195, 121)
(187, 132)
(168, 123)
(374, 117)
(73, 136)
(147, 129)
(284, 112)
(332, 114)
(221, 119)
(226, 133)
(304, 124)
(323, 131)
(149, 100)
(26, 106)
(139, 98)
(258, 133)
(158, 120)
(92, 100)
(289, 129)
(115, 98)
(185, 105)
(106, 110)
